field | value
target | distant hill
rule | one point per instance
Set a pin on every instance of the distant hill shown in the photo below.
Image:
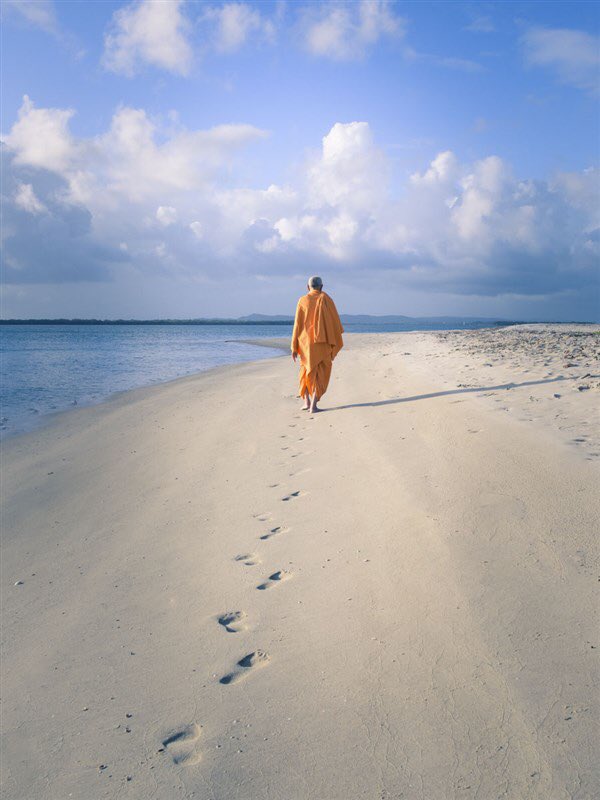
(266, 318)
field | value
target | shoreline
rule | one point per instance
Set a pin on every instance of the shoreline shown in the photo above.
(50, 417)
(206, 590)
(278, 343)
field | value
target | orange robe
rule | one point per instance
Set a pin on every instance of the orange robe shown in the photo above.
(317, 338)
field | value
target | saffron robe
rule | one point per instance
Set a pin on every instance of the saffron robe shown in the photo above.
(317, 338)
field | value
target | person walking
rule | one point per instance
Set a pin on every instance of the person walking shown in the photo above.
(316, 339)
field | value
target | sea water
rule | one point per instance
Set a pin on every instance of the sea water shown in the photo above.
(50, 368)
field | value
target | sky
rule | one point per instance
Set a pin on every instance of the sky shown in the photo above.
(166, 158)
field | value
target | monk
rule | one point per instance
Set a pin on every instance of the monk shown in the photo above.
(317, 339)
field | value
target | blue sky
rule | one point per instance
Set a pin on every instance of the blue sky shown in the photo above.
(199, 159)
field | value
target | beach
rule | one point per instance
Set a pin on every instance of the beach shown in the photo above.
(208, 593)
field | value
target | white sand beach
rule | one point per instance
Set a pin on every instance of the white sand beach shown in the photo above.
(210, 594)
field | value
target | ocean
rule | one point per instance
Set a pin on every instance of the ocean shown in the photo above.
(50, 368)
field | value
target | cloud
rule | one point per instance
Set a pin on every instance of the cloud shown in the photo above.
(26, 199)
(574, 56)
(234, 23)
(39, 13)
(345, 32)
(111, 185)
(45, 238)
(148, 33)
(41, 137)
(464, 228)
(196, 228)
(165, 204)
(166, 215)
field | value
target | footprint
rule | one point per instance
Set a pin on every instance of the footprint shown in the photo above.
(233, 621)
(265, 516)
(299, 472)
(180, 745)
(273, 532)
(249, 559)
(244, 666)
(292, 495)
(274, 579)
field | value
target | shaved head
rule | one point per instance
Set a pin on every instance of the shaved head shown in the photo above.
(315, 282)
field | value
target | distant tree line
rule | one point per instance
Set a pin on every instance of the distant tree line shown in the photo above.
(143, 322)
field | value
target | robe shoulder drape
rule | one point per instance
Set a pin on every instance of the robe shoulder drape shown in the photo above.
(317, 338)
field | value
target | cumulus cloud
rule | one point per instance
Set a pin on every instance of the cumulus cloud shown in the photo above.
(345, 32)
(574, 56)
(167, 203)
(41, 137)
(148, 32)
(45, 238)
(114, 183)
(234, 23)
(466, 228)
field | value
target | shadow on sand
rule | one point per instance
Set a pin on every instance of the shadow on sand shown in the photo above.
(469, 390)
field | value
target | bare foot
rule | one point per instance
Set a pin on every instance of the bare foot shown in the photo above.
(305, 408)
(314, 409)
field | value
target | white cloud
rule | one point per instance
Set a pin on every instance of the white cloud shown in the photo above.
(442, 169)
(139, 167)
(41, 137)
(128, 161)
(235, 23)
(148, 32)
(351, 172)
(344, 32)
(166, 215)
(480, 191)
(26, 199)
(117, 182)
(573, 55)
(464, 228)
(40, 13)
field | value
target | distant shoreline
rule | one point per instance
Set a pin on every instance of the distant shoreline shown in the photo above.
(143, 322)
(347, 319)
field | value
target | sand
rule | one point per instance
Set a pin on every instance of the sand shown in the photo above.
(210, 594)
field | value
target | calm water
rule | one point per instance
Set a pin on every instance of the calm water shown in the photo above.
(50, 368)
